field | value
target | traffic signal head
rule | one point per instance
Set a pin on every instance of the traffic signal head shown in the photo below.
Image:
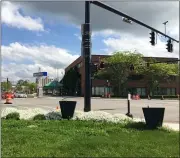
(101, 66)
(94, 68)
(152, 38)
(169, 46)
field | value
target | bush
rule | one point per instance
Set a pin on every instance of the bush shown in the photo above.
(14, 116)
(54, 116)
(39, 117)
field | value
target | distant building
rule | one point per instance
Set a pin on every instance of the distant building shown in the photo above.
(44, 81)
(100, 87)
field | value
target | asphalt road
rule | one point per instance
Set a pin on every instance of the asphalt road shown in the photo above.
(107, 105)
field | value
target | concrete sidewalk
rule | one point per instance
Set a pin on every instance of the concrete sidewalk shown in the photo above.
(173, 126)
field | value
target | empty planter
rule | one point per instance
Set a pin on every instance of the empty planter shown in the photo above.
(153, 117)
(67, 108)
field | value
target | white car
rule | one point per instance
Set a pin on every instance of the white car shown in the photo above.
(20, 95)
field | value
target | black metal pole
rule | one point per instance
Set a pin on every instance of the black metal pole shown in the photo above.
(87, 58)
(113, 10)
(128, 106)
(7, 85)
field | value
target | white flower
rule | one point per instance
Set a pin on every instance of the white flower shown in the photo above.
(78, 115)
(26, 114)
(7, 111)
(100, 116)
(138, 120)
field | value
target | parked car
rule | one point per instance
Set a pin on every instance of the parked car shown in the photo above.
(20, 95)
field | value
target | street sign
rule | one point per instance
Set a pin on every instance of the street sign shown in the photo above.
(39, 74)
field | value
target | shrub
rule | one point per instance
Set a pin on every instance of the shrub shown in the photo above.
(39, 117)
(54, 116)
(14, 116)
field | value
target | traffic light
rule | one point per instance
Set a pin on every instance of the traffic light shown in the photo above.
(101, 66)
(131, 67)
(94, 68)
(169, 46)
(152, 38)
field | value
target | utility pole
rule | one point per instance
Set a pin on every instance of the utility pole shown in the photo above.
(86, 44)
(7, 85)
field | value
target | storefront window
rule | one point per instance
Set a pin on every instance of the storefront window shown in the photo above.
(141, 91)
(101, 90)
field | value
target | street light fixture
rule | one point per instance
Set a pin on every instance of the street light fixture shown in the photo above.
(127, 20)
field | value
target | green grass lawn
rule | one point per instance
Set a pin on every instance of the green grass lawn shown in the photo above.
(85, 138)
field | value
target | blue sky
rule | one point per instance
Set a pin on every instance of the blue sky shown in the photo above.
(59, 35)
(49, 37)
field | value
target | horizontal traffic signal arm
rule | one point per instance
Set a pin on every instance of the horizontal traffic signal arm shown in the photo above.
(111, 9)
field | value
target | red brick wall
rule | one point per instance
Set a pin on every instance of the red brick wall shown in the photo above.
(99, 83)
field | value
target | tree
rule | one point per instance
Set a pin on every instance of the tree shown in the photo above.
(118, 69)
(32, 87)
(26, 86)
(70, 80)
(6, 86)
(159, 72)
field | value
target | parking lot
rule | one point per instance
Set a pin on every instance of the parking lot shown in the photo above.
(107, 105)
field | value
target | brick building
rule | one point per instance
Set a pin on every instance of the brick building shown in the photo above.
(100, 87)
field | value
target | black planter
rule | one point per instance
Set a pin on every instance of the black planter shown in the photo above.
(153, 117)
(67, 108)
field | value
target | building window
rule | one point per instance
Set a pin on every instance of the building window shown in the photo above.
(165, 91)
(101, 90)
(141, 91)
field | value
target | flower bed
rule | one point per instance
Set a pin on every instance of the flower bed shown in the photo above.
(29, 114)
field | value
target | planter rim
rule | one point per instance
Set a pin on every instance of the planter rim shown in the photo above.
(153, 108)
(68, 101)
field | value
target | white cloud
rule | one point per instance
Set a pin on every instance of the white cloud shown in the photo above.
(151, 13)
(11, 16)
(141, 45)
(49, 58)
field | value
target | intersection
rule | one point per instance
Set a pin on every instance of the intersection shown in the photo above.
(99, 104)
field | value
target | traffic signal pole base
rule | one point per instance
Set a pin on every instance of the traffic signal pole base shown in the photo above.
(129, 115)
(87, 110)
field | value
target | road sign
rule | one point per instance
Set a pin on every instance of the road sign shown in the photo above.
(39, 74)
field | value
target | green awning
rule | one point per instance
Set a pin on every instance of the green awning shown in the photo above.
(53, 85)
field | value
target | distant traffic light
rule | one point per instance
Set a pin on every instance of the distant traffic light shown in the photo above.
(101, 66)
(94, 68)
(131, 67)
(169, 46)
(152, 38)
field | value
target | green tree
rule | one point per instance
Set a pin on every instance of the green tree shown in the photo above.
(118, 69)
(159, 72)
(70, 80)
(32, 87)
(6, 86)
(28, 86)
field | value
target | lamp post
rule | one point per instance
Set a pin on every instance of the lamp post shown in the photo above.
(165, 25)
